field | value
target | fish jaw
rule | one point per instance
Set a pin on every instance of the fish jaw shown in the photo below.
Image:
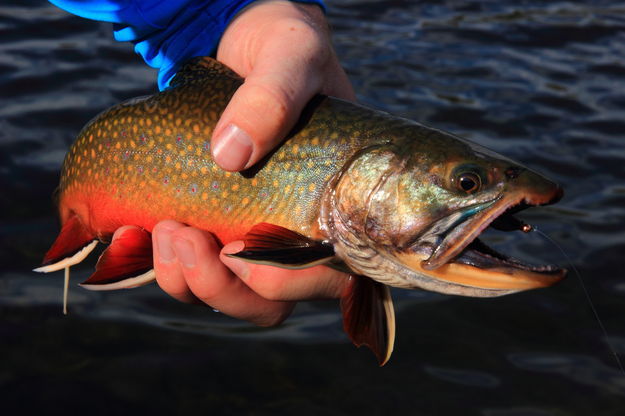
(384, 227)
(460, 258)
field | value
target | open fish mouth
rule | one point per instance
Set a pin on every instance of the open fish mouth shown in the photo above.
(478, 254)
(459, 256)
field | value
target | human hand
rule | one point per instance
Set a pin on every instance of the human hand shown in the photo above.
(191, 267)
(284, 52)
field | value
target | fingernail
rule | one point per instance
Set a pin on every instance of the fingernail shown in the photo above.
(238, 267)
(165, 251)
(185, 251)
(232, 148)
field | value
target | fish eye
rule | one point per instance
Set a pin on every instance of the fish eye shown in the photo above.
(468, 182)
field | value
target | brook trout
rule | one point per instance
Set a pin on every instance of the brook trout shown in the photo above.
(386, 199)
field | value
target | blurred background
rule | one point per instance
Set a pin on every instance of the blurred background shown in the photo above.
(541, 82)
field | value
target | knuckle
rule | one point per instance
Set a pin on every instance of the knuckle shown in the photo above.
(271, 103)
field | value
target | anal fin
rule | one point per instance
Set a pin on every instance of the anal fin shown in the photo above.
(127, 262)
(369, 317)
(278, 246)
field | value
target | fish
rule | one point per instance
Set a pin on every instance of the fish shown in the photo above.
(390, 201)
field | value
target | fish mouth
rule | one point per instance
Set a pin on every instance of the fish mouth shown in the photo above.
(459, 257)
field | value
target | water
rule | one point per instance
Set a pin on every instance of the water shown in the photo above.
(542, 82)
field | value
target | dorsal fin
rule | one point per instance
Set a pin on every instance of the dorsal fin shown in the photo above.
(200, 69)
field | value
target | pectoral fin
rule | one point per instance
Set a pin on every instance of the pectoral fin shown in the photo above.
(125, 264)
(277, 246)
(369, 317)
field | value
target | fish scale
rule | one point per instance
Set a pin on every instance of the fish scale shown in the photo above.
(150, 159)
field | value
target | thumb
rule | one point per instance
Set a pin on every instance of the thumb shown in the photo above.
(259, 115)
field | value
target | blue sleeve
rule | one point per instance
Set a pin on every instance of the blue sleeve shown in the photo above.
(165, 32)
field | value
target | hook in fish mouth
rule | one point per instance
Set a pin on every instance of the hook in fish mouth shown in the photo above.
(457, 255)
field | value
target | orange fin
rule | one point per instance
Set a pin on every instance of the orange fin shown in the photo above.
(126, 263)
(277, 246)
(369, 317)
(72, 245)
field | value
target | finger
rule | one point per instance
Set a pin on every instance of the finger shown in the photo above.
(214, 284)
(275, 283)
(337, 84)
(169, 274)
(269, 102)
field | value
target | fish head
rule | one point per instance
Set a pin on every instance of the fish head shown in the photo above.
(420, 205)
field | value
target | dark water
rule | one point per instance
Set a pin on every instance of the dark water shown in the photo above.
(542, 82)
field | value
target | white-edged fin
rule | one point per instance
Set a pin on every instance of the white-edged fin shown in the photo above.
(127, 283)
(389, 310)
(65, 290)
(68, 261)
(369, 317)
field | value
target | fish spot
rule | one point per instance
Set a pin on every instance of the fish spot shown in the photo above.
(166, 180)
(126, 154)
(193, 189)
(179, 140)
(139, 169)
(206, 146)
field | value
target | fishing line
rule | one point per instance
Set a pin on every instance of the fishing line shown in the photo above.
(65, 290)
(583, 285)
